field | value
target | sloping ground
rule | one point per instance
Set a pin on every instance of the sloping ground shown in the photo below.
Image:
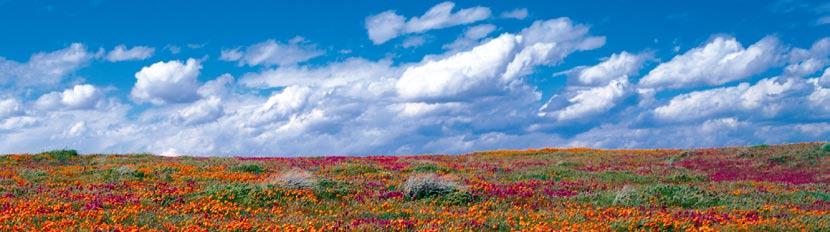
(785, 187)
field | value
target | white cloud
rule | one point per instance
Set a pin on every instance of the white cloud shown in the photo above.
(586, 103)
(121, 53)
(334, 74)
(823, 20)
(471, 37)
(10, 107)
(766, 99)
(458, 74)
(471, 98)
(387, 25)
(520, 13)
(720, 61)
(44, 68)
(622, 64)
(167, 82)
(824, 80)
(804, 62)
(413, 41)
(79, 97)
(494, 65)
(202, 111)
(384, 26)
(271, 52)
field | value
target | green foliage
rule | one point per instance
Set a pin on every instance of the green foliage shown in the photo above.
(666, 196)
(428, 186)
(825, 147)
(249, 168)
(244, 194)
(681, 196)
(760, 146)
(457, 197)
(780, 159)
(330, 189)
(430, 168)
(624, 177)
(62, 156)
(355, 169)
(685, 178)
(33, 175)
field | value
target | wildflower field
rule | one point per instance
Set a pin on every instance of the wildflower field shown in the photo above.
(768, 188)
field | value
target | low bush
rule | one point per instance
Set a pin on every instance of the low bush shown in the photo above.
(681, 196)
(62, 156)
(294, 179)
(666, 196)
(249, 168)
(430, 168)
(428, 186)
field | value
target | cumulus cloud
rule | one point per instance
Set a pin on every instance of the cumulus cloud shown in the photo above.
(271, 52)
(44, 68)
(520, 13)
(82, 96)
(622, 64)
(804, 62)
(334, 74)
(167, 82)
(10, 107)
(585, 103)
(202, 111)
(471, 97)
(387, 25)
(721, 60)
(461, 73)
(121, 53)
(768, 98)
(471, 37)
(413, 41)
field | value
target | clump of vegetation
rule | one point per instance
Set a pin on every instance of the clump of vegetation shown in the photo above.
(249, 168)
(825, 147)
(681, 196)
(331, 189)
(355, 169)
(428, 185)
(760, 146)
(684, 178)
(63, 156)
(295, 179)
(666, 195)
(129, 171)
(430, 168)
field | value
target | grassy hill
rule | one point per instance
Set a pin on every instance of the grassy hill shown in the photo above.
(780, 187)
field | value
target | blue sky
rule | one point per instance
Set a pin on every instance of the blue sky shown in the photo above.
(391, 77)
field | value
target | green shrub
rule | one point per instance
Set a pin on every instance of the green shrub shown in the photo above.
(62, 156)
(33, 175)
(681, 196)
(330, 189)
(457, 198)
(760, 146)
(430, 168)
(428, 186)
(249, 168)
(825, 147)
(355, 169)
(684, 178)
(780, 159)
(667, 196)
(244, 194)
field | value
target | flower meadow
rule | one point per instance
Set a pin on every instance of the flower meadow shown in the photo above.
(767, 188)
